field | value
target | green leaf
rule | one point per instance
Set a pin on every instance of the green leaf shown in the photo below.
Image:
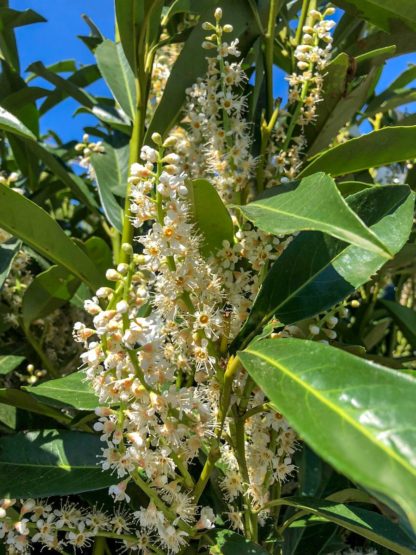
(192, 63)
(347, 188)
(382, 13)
(333, 400)
(48, 291)
(118, 75)
(68, 87)
(383, 147)
(72, 391)
(111, 170)
(8, 363)
(50, 462)
(228, 542)
(368, 524)
(291, 210)
(82, 77)
(403, 38)
(8, 250)
(315, 271)
(129, 16)
(210, 215)
(22, 400)
(14, 18)
(24, 219)
(9, 122)
(341, 100)
(405, 318)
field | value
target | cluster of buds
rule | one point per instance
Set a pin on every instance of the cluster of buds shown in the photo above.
(86, 148)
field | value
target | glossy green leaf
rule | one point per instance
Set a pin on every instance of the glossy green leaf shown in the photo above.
(315, 271)
(22, 400)
(111, 174)
(369, 524)
(9, 122)
(227, 542)
(8, 250)
(50, 462)
(210, 215)
(346, 409)
(405, 318)
(347, 188)
(48, 291)
(192, 63)
(291, 210)
(8, 363)
(24, 219)
(71, 391)
(383, 147)
(118, 75)
(382, 13)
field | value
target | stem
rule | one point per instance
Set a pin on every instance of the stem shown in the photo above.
(38, 349)
(268, 54)
(99, 546)
(169, 514)
(302, 19)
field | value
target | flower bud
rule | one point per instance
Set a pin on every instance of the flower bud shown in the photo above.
(208, 45)
(112, 275)
(207, 26)
(228, 28)
(218, 14)
(157, 138)
(123, 268)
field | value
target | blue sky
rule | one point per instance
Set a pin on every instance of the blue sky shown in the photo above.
(57, 40)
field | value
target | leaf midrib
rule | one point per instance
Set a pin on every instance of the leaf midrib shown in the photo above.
(327, 226)
(342, 414)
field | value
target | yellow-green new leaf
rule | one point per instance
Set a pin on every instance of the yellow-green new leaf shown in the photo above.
(314, 204)
(346, 409)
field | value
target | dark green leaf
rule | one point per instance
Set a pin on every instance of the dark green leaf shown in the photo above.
(334, 399)
(315, 271)
(71, 391)
(14, 18)
(24, 219)
(405, 318)
(50, 462)
(22, 400)
(228, 542)
(8, 363)
(48, 291)
(368, 524)
(291, 210)
(382, 13)
(8, 250)
(210, 215)
(118, 75)
(386, 146)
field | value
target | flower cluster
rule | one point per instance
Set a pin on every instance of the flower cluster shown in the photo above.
(41, 522)
(86, 148)
(305, 92)
(218, 140)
